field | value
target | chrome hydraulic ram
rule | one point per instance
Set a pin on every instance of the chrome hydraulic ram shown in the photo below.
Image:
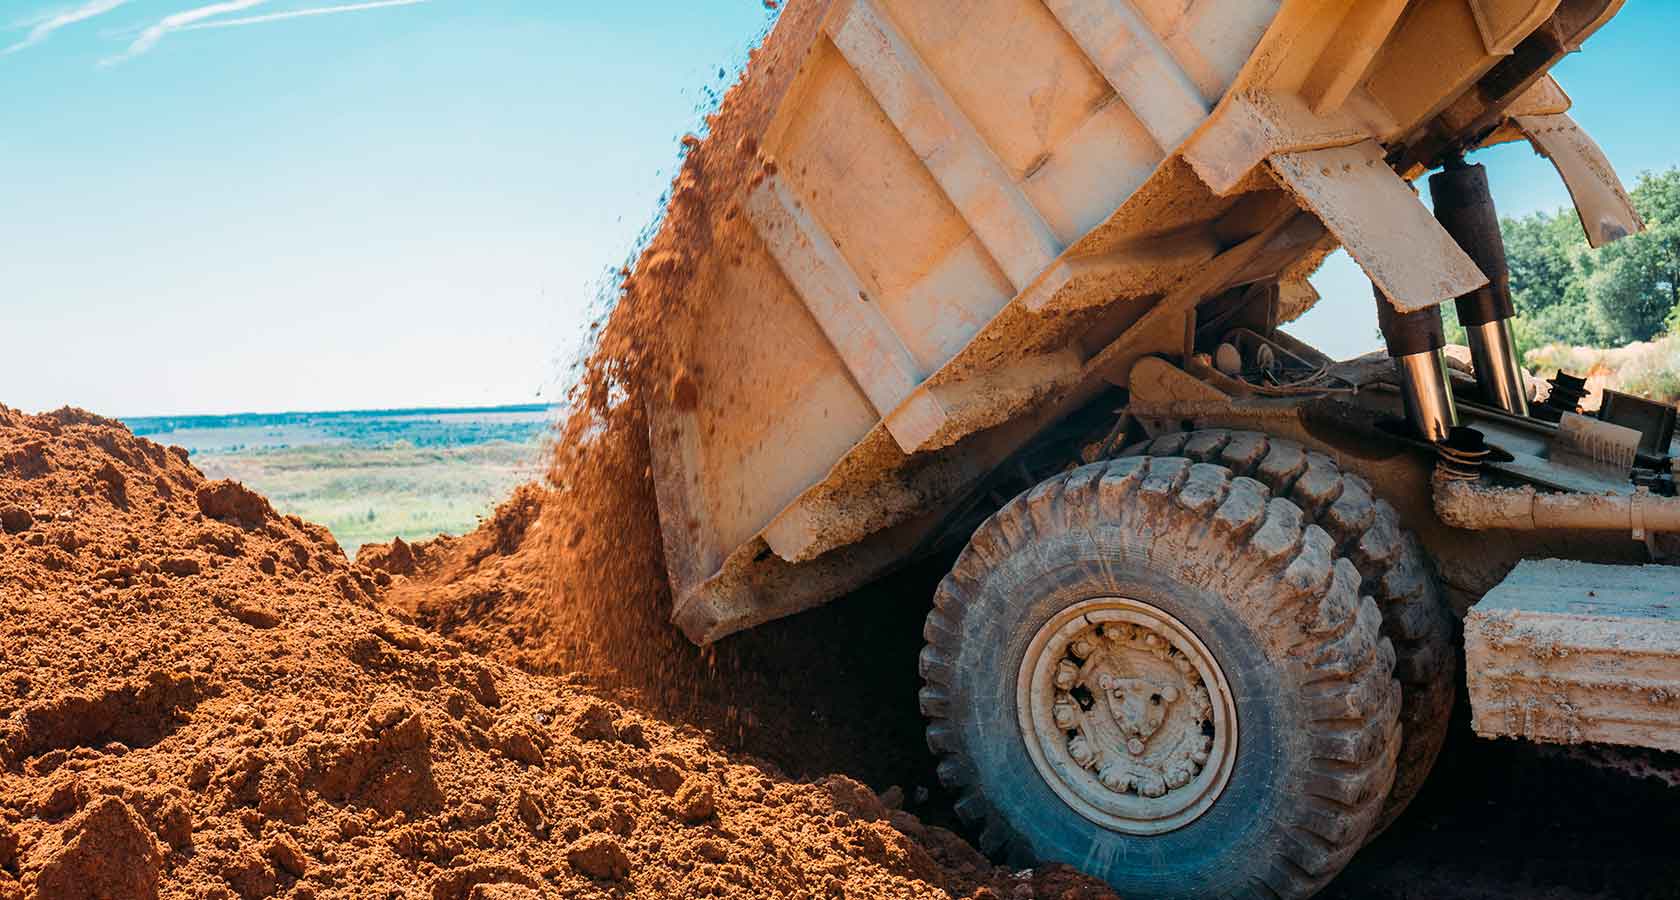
(1415, 341)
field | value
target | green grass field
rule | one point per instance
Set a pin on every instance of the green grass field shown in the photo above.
(366, 495)
(370, 475)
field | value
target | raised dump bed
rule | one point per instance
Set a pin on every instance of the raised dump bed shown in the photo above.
(978, 216)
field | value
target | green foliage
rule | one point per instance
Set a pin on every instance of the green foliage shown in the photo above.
(1641, 275)
(1654, 373)
(1449, 318)
(369, 494)
(1567, 293)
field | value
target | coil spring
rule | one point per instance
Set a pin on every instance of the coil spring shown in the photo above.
(1462, 454)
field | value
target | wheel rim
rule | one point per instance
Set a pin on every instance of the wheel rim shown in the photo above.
(1127, 715)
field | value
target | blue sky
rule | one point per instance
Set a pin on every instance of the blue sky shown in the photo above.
(410, 204)
(392, 207)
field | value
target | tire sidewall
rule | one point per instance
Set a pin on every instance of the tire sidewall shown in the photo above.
(1213, 854)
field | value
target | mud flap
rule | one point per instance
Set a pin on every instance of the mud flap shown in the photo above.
(1606, 211)
(1380, 221)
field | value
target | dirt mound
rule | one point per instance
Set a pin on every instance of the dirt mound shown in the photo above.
(193, 707)
(106, 850)
(832, 690)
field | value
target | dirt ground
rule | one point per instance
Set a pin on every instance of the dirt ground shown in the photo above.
(200, 698)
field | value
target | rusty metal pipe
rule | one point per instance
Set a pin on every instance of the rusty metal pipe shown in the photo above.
(1477, 507)
(1464, 207)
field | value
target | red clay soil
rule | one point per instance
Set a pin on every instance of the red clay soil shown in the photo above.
(833, 690)
(201, 698)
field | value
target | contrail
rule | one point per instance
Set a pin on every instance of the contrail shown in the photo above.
(51, 24)
(150, 37)
(296, 13)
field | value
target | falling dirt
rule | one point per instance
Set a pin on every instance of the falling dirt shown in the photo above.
(569, 578)
(202, 698)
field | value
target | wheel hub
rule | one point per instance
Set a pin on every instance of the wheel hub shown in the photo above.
(1127, 715)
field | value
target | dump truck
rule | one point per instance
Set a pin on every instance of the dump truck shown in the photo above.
(1009, 278)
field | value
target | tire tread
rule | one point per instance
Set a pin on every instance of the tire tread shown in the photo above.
(1188, 504)
(1395, 574)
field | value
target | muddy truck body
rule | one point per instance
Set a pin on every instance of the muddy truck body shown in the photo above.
(1009, 277)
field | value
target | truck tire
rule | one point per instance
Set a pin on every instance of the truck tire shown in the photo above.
(1154, 671)
(1395, 571)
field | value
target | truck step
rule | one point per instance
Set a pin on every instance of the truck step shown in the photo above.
(1568, 652)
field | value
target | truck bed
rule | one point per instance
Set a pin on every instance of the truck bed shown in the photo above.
(972, 219)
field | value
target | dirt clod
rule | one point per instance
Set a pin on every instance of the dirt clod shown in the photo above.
(599, 856)
(695, 801)
(396, 558)
(15, 519)
(595, 722)
(252, 612)
(104, 851)
(234, 503)
(250, 874)
(519, 740)
(286, 855)
(181, 565)
(892, 798)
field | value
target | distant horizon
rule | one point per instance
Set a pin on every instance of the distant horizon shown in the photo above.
(375, 411)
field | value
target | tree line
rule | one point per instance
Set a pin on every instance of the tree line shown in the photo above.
(1567, 293)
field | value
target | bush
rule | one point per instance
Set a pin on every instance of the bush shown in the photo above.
(1656, 374)
(1567, 293)
(1646, 369)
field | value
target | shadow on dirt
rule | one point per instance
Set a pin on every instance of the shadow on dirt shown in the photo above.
(854, 661)
(1507, 819)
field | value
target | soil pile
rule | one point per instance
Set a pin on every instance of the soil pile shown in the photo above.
(832, 690)
(202, 698)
